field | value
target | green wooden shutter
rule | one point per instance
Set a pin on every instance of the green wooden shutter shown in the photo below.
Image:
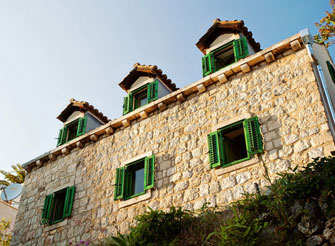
(119, 184)
(68, 201)
(46, 209)
(253, 136)
(64, 135)
(331, 71)
(208, 65)
(153, 91)
(149, 172)
(60, 136)
(82, 126)
(127, 103)
(215, 149)
(241, 48)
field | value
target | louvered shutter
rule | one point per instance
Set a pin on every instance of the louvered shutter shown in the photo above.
(149, 172)
(253, 136)
(119, 184)
(68, 201)
(215, 149)
(240, 48)
(331, 71)
(60, 136)
(82, 126)
(153, 91)
(46, 209)
(208, 65)
(127, 103)
(64, 134)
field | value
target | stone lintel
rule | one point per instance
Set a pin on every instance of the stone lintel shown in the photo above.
(144, 115)
(94, 138)
(180, 97)
(269, 57)
(245, 68)
(162, 106)
(295, 45)
(109, 130)
(222, 78)
(201, 88)
(125, 122)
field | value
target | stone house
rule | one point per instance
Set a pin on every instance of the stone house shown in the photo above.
(205, 143)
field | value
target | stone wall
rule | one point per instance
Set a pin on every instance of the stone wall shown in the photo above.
(283, 94)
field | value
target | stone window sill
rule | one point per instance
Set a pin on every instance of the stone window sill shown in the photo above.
(55, 226)
(224, 170)
(134, 200)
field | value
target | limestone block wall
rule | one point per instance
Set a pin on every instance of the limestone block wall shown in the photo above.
(283, 94)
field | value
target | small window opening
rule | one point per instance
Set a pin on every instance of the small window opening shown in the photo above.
(140, 98)
(234, 143)
(224, 56)
(72, 131)
(135, 175)
(58, 205)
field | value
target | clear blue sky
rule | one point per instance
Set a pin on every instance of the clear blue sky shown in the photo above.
(51, 51)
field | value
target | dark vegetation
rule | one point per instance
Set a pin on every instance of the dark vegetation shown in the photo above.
(293, 211)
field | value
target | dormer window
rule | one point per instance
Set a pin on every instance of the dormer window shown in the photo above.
(72, 130)
(79, 117)
(224, 56)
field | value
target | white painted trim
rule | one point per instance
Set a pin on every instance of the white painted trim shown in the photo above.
(231, 121)
(226, 41)
(134, 200)
(223, 170)
(136, 158)
(82, 114)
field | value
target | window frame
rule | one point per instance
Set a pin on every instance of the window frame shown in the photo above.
(122, 182)
(129, 101)
(49, 205)
(64, 132)
(240, 49)
(253, 141)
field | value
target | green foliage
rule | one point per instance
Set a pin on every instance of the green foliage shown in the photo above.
(257, 219)
(5, 235)
(19, 177)
(326, 27)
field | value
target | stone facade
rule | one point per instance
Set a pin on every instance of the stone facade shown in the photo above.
(283, 94)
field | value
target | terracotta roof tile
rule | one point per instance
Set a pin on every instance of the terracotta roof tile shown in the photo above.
(221, 27)
(145, 70)
(83, 107)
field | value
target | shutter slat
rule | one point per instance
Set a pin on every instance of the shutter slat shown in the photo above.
(215, 157)
(46, 209)
(149, 172)
(253, 135)
(208, 64)
(240, 48)
(152, 91)
(119, 184)
(82, 126)
(68, 201)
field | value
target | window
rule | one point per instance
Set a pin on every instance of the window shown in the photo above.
(235, 143)
(58, 206)
(140, 97)
(331, 71)
(72, 130)
(135, 178)
(224, 56)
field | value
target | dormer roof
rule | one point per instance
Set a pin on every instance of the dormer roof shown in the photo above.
(148, 71)
(82, 107)
(222, 27)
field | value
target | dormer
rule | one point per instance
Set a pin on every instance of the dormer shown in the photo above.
(78, 118)
(224, 43)
(144, 84)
